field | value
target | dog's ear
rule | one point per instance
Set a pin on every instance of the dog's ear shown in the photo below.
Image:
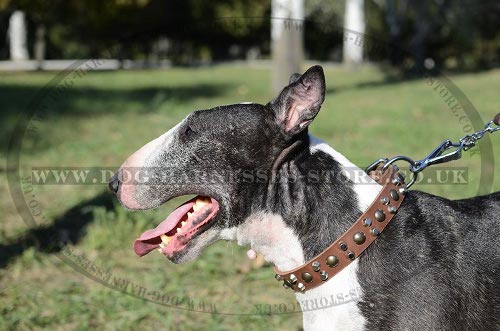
(299, 102)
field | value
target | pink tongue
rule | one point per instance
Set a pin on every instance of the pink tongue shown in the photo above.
(149, 239)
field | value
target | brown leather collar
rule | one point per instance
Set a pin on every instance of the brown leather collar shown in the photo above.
(355, 240)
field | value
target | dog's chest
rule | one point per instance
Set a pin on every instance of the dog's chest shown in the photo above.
(333, 306)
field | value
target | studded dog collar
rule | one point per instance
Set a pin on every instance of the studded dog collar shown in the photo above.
(373, 221)
(355, 240)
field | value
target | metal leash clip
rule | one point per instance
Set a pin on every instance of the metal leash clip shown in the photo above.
(437, 155)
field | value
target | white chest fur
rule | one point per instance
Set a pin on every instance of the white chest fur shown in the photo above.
(333, 305)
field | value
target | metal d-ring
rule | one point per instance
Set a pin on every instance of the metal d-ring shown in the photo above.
(399, 158)
(386, 163)
(411, 167)
(375, 164)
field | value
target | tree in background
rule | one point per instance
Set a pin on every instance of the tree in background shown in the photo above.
(354, 24)
(324, 29)
(452, 34)
(16, 35)
(287, 27)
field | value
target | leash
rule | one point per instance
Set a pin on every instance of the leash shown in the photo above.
(373, 221)
(436, 156)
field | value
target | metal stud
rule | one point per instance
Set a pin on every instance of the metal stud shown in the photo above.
(403, 190)
(323, 275)
(278, 277)
(332, 261)
(315, 265)
(367, 222)
(380, 215)
(375, 232)
(287, 284)
(293, 278)
(343, 246)
(394, 194)
(307, 277)
(301, 287)
(398, 179)
(359, 238)
(385, 200)
(351, 255)
(392, 209)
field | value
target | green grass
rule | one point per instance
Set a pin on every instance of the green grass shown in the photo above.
(106, 116)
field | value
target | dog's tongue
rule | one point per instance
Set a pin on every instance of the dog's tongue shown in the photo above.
(149, 239)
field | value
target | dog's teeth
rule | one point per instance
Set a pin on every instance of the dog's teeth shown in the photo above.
(201, 202)
(162, 245)
(179, 230)
(165, 239)
(190, 214)
(196, 206)
(159, 250)
(183, 223)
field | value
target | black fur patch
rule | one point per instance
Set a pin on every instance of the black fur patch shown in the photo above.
(435, 267)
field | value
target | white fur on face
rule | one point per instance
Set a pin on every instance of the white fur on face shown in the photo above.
(163, 142)
(138, 160)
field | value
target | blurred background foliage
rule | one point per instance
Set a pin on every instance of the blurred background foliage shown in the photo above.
(460, 35)
(107, 114)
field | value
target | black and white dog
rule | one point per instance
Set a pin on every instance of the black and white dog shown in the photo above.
(435, 267)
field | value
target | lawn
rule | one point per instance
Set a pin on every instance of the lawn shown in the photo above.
(94, 279)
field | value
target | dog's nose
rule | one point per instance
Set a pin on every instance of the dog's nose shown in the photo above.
(114, 183)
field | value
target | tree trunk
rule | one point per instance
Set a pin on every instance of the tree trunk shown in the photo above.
(418, 43)
(39, 49)
(287, 27)
(354, 23)
(17, 35)
(393, 21)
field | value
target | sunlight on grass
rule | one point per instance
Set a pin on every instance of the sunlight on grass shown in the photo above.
(108, 115)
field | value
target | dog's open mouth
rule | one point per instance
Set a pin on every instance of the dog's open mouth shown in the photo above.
(174, 233)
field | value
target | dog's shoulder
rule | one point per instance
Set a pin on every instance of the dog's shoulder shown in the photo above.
(429, 204)
(467, 227)
(438, 252)
(480, 203)
(484, 209)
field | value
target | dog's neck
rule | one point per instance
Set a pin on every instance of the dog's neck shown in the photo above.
(316, 196)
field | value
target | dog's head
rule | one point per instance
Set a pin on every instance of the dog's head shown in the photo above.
(224, 156)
